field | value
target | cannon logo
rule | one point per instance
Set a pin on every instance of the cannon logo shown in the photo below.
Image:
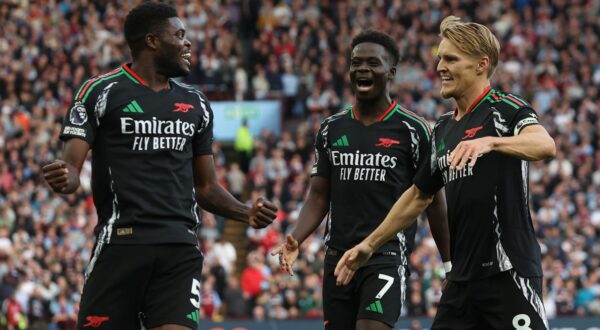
(471, 132)
(95, 321)
(183, 107)
(386, 142)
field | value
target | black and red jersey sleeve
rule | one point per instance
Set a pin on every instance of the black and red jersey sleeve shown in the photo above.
(523, 117)
(80, 119)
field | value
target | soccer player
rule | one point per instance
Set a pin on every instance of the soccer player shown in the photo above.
(151, 139)
(480, 153)
(366, 156)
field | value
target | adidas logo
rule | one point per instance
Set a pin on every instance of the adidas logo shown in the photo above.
(133, 106)
(441, 146)
(193, 316)
(375, 307)
(341, 142)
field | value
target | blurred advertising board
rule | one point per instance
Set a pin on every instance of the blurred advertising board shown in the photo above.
(562, 323)
(259, 114)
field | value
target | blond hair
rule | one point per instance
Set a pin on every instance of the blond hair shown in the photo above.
(472, 39)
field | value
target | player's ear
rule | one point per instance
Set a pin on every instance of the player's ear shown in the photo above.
(483, 66)
(392, 72)
(151, 41)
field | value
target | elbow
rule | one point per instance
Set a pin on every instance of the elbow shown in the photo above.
(549, 149)
(424, 198)
(544, 148)
(203, 191)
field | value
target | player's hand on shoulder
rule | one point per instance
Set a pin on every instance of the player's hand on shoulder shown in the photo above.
(350, 262)
(288, 253)
(262, 213)
(56, 174)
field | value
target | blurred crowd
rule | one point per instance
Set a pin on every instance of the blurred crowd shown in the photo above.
(295, 51)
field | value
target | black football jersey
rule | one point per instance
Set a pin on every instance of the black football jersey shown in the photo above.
(368, 168)
(488, 213)
(143, 143)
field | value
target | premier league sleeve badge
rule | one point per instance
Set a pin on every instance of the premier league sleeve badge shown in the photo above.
(78, 115)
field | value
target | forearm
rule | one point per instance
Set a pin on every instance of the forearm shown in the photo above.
(314, 209)
(404, 212)
(310, 217)
(74, 155)
(438, 224)
(72, 180)
(215, 199)
(530, 146)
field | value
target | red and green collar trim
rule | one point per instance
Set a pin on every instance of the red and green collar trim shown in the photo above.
(135, 77)
(477, 101)
(383, 116)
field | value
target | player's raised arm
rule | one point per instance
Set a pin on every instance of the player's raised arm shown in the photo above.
(212, 197)
(530, 142)
(404, 212)
(311, 215)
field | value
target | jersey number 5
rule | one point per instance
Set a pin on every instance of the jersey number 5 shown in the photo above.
(386, 287)
(195, 292)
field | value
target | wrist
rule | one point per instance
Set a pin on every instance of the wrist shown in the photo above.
(370, 244)
(448, 266)
(494, 143)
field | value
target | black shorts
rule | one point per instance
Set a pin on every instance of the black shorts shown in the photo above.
(375, 292)
(130, 285)
(503, 301)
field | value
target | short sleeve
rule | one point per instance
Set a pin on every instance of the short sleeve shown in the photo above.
(429, 176)
(424, 145)
(80, 120)
(321, 167)
(524, 116)
(203, 139)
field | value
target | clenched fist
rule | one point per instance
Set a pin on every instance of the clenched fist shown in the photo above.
(262, 213)
(56, 175)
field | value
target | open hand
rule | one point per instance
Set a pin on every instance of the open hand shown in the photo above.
(288, 253)
(351, 261)
(469, 151)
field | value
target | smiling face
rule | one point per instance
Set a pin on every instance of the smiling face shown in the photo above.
(370, 71)
(173, 54)
(459, 71)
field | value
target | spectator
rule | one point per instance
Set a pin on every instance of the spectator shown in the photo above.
(236, 180)
(243, 145)
(234, 302)
(81, 39)
(254, 278)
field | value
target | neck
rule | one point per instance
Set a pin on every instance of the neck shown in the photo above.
(370, 110)
(148, 72)
(465, 102)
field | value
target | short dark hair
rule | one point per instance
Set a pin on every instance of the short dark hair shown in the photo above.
(148, 17)
(380, 38)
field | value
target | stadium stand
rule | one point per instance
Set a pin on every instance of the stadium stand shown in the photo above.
(294, 51)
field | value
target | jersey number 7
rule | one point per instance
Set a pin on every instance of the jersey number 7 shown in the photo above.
(386, 287)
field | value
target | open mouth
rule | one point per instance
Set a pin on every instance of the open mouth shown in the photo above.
(446, 80)
(187, 58)
(363, 84)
